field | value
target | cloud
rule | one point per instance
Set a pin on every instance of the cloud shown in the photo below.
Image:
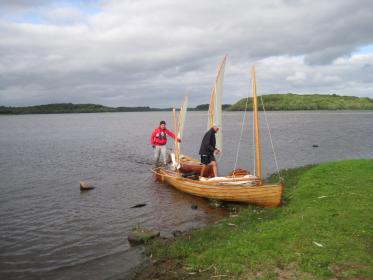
(63, 15)
(20, 5)
(129, 53)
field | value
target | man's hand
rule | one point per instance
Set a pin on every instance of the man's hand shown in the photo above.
(217, 151)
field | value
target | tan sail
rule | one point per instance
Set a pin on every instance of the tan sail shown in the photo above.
(215, 107)
(179, 128)
(189, 164)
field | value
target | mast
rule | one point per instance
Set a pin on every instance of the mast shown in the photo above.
(176, 133)
(257, 142)
(180, 126)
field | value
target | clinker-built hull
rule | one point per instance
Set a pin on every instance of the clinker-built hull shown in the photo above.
(225, 190)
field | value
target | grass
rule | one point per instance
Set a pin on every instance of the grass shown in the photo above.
(324, 230)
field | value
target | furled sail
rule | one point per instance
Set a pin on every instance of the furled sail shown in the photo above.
(181, 119)
(179, 128)
(215, 108)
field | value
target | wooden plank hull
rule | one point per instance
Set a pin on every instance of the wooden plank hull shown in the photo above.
(189, 165)
(262, 195)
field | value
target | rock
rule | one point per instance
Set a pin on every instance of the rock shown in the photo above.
(194, 207)
(139, 205)
(84, 186)
(177, 233)
(315, 146)
(140, 235)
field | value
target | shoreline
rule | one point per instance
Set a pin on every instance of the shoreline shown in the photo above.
(262, 243)
(274, 102)
(336, 111)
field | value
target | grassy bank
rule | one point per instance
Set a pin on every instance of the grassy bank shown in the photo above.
(324, 230)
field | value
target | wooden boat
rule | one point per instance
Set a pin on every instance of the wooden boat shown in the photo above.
(236, 187)
(191, 165)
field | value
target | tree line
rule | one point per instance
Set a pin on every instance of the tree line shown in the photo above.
(290, 101)
(272, 102)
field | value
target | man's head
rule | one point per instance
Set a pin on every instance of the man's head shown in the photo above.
(162, 124)
(215, 127)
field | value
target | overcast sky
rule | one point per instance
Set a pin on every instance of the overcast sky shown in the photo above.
(136, 53)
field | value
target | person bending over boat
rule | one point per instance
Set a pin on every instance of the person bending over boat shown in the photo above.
(208, 149)
(158, 140)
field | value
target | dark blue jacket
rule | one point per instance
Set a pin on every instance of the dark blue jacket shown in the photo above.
(208, 143)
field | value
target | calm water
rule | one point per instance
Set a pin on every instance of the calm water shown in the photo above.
(50, 230)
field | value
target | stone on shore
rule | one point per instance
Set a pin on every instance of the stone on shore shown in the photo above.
(140, 235)
(84, 186)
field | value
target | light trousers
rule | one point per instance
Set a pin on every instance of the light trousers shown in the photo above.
(160, 150)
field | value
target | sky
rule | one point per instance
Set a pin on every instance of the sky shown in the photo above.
(154, 52)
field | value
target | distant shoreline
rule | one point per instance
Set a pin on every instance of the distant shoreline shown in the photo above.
(272, 102)
(70, 108)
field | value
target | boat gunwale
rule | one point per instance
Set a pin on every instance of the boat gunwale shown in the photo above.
(262, 195)
(166, 173)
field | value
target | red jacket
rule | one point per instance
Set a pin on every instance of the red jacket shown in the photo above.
(159, 137)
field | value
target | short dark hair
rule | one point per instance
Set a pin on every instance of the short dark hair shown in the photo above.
(162, 122)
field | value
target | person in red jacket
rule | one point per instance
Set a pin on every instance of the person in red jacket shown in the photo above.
(158, 140)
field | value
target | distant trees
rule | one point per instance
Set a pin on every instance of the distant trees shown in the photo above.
(58, 108)
(205, 107)
(272, 102)
(290, 101)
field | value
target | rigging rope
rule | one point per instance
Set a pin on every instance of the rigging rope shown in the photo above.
(240, 139)
(270, 138)
(253, 127)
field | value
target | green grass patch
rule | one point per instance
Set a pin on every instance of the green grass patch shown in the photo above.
(324, 230)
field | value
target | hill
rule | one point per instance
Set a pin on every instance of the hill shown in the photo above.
(59, 108)
(63, 108)
(290, 101)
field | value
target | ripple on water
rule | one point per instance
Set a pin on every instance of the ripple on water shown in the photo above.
(51, 230)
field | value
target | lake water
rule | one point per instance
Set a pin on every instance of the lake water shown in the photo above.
(51, 230)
